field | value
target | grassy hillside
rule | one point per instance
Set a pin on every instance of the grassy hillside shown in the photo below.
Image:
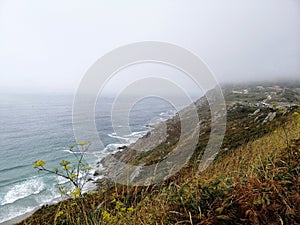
(253, 180)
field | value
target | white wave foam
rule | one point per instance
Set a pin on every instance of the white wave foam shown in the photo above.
(22, 190)
(61, 180)
(68, 151)
(137, 134)
(52, 196)
(73, 152)
(89, 186)
(114, 135)
(111, 148)
(13, 212)
(129, 138)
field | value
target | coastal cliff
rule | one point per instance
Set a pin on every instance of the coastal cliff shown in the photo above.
(254, 178)
(248, 108)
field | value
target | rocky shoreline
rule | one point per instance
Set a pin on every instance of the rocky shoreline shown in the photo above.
(261, 103)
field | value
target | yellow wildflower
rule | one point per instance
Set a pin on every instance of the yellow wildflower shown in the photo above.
(119, 204)
(87, 168)
(130, 209)
(67, 167)
(73, 175)
(64, 162)
(76, 192)
(58, 214)
(39, 163)
(83, 143)
(106, 216)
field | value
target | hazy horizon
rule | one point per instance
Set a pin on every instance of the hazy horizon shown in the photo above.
(48, 46)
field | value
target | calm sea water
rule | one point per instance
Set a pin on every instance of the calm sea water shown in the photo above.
(39, 126)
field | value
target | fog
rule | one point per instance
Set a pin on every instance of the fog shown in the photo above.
(48, 46)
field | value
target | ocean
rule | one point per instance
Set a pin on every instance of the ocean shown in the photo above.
(39, 126)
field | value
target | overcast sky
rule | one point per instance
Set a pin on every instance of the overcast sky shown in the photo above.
(49, 45)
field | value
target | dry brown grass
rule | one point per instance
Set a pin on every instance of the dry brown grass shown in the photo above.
(255, 183)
